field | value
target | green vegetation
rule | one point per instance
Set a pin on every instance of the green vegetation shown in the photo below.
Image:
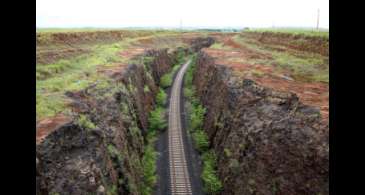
(305, 69)
(85, 122)
(166, 79)
(227, 152)
(114, 153)
(188, 93)
(161, 97)
(197, 116)
(149, 165)
(304, 66)
(113, 190)
(157, 122)
(180, 56)
(53, 80)
(49, 105)
(146, 89)
(200, 140)
(294, 31)
(212, 184)
(218, 45)
(157, 119)
(82, 56)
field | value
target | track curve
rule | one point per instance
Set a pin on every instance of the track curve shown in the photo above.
(179, 175)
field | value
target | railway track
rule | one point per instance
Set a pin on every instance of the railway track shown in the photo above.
(179, 175)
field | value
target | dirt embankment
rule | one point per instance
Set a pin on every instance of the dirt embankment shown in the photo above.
(60, 38)
(52, 46)
(103, 152)
(267, 142)
(315, 44)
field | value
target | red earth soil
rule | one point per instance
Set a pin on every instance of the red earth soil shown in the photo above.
(47, 125)
(310, 93)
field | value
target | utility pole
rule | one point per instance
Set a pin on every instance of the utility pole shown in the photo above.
(318, 20)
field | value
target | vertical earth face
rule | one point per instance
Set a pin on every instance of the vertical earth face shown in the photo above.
(104, 157)
(265, 95)
(266, 141)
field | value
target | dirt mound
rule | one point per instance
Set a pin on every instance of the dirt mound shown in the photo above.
(56, 38)
(52, 46)
(315, 44)
(200, 43)
(267, 142)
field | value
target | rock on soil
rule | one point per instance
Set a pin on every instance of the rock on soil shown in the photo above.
(267, 142)
(106, 156)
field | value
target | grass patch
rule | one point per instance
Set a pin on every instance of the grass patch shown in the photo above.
(303, 68)
(112, 190)
(161, 97)
(200, 140)
(306, 67)
(295, 31)
(146, 89)
(149, 165)
(189, 92)
(218, 45)
(197, 116)
(49, 105)
(85, 122)
(180, 56)
(53, 80)
(212, 184)
(166, 79)
(157, 119)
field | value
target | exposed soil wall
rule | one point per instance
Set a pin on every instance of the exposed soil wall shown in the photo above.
(55, 38)
(315, 44)
(267, 142)
(103, 155)
(52, 46)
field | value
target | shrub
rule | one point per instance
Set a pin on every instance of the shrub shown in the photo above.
(157, 120)
(146, 89)
(113, 190)
(212, 184)
(188, 92)
(85, 122)
(227, 152)
(175, 68)
(166, 80)
(197, 116)
(149, 169)
(180, 56)
(201, 140)
(161, 97)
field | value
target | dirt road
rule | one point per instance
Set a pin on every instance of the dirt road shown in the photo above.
(179, 175)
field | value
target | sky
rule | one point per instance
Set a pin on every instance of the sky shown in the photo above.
(191, 13)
